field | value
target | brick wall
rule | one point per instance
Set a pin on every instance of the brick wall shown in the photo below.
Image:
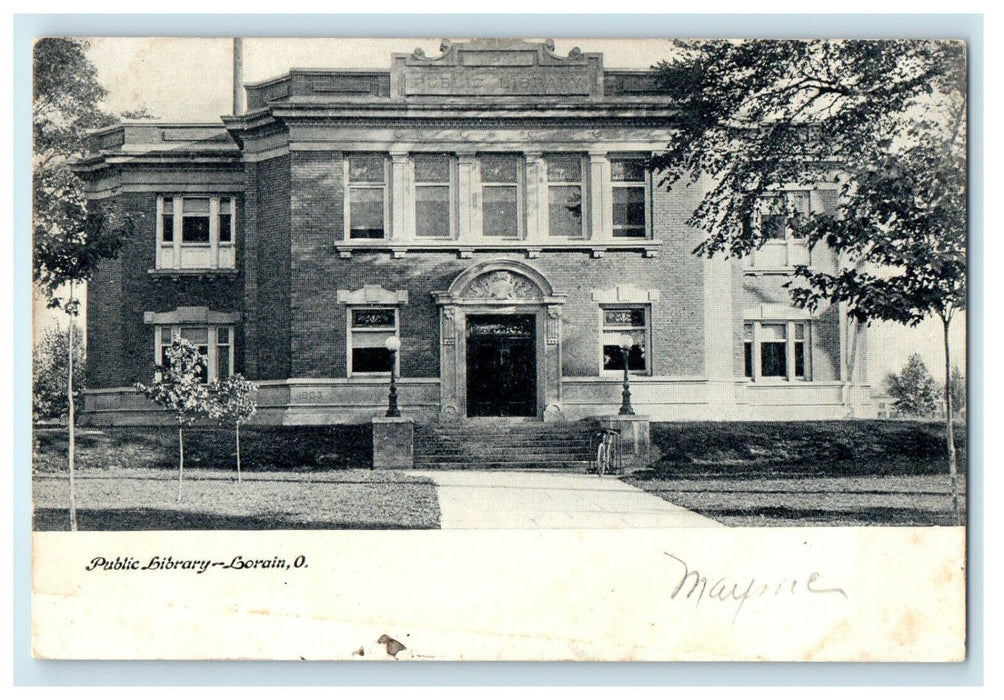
(316, 218)
(120, 345)
(104, 326)
(318, 321)
(271, 296)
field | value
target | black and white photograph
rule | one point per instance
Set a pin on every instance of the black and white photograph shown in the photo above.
(670, 318)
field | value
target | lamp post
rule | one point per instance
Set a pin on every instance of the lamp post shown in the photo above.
(626, 342)
(393, 344)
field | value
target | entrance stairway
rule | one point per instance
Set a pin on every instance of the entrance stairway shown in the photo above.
(501, 444)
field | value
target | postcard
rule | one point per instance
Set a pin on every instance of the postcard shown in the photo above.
(499, 349)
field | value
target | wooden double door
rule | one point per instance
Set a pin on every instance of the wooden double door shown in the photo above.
(501, 365)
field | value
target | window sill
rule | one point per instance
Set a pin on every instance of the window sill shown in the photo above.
(759, 271)
(175, 273)
(399, 249)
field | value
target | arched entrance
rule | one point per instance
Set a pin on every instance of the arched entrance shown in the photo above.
(500, 343)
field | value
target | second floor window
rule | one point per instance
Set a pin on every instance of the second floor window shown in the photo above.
(195, 232)
(564, 195)
(366, 182)
(501, 210)
(630, 197)
(774, 220)
(776, 213)
(433, 212)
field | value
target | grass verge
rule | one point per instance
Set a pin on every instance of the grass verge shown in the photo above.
(836, 473)
(294, 478)
(146, 499)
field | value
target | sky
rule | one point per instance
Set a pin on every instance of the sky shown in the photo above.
(189, 79)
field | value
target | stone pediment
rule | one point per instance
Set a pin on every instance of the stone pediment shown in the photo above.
(497, 68)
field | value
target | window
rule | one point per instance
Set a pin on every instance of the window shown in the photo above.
(366, 178)
(775, 350)
(774, 220)
(215, 344)
(631, 321)
(225, 220)
(564, 195)
(630, 197)
(195, 232)
(777, 211)
(195, 220)
(433, 213)
(501, 210)
(369, 329)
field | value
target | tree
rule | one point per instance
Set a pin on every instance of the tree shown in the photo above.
(49, 374)
(882, 121)
(957, 384)
(180, 388)
(70, 240)
(233, 403)
(913, 388)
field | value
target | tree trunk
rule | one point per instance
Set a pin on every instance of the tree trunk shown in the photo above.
(72, 439)
(238, 452)
(949, 426)
(181, 460)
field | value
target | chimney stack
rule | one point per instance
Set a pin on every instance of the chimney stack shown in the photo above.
(238, 76)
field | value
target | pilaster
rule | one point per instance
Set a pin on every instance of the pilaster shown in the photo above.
(601, 217)
(468, 196)
(536, 197)
(719, 336)
(402, 210)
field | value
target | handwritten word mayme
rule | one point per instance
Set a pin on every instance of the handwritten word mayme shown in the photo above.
(198, 566)
(729, 589)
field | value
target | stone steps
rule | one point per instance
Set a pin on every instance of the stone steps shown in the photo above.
(505, 445)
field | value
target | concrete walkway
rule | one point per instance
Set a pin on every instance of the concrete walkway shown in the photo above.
(516, 499)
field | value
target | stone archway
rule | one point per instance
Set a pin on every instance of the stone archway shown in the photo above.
(487, 295)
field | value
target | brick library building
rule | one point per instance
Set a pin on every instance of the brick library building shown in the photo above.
(482, 223)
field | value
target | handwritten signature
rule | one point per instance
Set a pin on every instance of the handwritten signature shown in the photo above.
(727, 589)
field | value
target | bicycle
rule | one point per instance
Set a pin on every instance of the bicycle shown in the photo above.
(606, 452)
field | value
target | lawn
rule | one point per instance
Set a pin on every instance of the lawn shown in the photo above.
(839, 473)
(294, 478)
(146, 499)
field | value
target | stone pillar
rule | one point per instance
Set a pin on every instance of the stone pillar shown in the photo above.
(720, 340)
(451, 328)
(393, 443)
(552, 363)
(636, 441)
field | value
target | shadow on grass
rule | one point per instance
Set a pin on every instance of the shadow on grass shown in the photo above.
(803, 492)
(113, 519)
(193, 476)
(774, 470)
(878, 515)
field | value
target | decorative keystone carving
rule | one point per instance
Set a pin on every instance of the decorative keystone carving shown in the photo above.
(501, 284)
